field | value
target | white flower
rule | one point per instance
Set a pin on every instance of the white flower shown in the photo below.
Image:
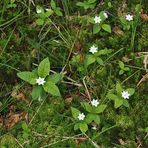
(105, 15)
(129, 17)
(93, 49)
(40, 81)
(94, 103)
(125, 94)
(94, 127)
(38, 10)
(97, 19)
(81, 116)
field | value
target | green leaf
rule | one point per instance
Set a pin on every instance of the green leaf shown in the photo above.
(80, 4)
(49, 12)
(126, 69)
(96, 29)
(27, 76)
(89, 60)
(55, 78)
(75, 112)
(118, 103)
(100, 61)
(99, 109)
(76, 126)
(83, 127)
(121, 65)
(40, 22)
(125, 103)
(53, 4)
(58, 12)
(104, 52)
(97, 119)
(37, 92)
(51, 88)
(118, 89)
(121, 72)
(112, 96)
(89, 118)
(44, 68)
(131, 91)
(106, 27)
(86, 106)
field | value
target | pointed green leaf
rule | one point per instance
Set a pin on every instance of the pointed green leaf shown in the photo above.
(89, 60)
(118, 103)
(96, 29)
(100, 61)
(53, 4)
(112, 96)
(86, 106)
(75, 112)
(44, 68)
(118, 89)
(51, 88)
(125, 103)
(83, 127)
(55, 78)
(131, 91)
(106, 27)
(99, 109)
(37, 92)
(27, 76)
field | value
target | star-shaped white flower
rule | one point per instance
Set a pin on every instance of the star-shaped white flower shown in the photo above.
(94, 128)
(97, 19)
(129, 17)
(38, 10)
(40, 81)
(105, 15)
(93, 49)
(81, 116)
(94, 103)
(125, 94)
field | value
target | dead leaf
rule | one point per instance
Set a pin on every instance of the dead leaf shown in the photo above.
(12, 119)
(19, 95)
(144, 78)
(68, 100)
(79, 141)
(118, 31)
(145, 62)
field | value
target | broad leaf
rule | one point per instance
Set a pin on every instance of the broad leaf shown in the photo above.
(118, 89)
(100, 61)
(75, 112)
(87, 106)
(83, 127)
(51, 88)
(99, 109)
(37, 92)
(89, 118)
(125, 103)
(112, 96)
(55, 78)
(97, 119)
(89, 59)
(44, 68)
(118, 103)
(121, 65)
(76, 126)
(53, 4)
(96, 29)
(131, 91)
(27, 76)
(106, 27)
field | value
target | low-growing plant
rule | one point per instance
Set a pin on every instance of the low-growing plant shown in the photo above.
(41, 80)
